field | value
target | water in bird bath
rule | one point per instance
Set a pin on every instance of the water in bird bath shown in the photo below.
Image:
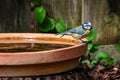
(29, 47)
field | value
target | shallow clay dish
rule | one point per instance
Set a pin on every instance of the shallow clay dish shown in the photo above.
(39, 62)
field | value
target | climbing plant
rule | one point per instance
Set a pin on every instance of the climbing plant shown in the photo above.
(44, 22)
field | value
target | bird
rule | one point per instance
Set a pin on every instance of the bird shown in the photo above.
(79, 32)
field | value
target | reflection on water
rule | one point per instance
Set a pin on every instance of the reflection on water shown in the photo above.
(29, 47)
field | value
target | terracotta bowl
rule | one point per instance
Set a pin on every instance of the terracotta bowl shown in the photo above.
(39, 62)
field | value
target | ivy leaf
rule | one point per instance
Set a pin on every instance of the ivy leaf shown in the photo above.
(114, 61)
(86, 62)
(90, 45)
(47, 25)
(92, 35)
(39, 14)
(60, 25)
(118, 47)
(94, 48)
(36, 2)
(94, 62)
(110, 62)
(102, 56)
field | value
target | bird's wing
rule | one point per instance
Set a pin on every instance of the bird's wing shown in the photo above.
(77, 30)
(74, 30)
(68, 32)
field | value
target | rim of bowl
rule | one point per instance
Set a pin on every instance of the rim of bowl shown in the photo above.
(23, 58)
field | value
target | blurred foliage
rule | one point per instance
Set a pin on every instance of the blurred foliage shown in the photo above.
(60, 25)
(101, 57)
(47, 25)
(44, 22)
(92, 35)
(40, 14)
(91, 46)
(118, 47)
(105, 58)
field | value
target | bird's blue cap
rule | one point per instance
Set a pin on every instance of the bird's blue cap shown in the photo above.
(87, 23)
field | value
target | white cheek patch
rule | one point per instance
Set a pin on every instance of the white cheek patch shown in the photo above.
(87, 27)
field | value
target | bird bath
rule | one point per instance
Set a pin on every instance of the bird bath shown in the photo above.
(33, 54)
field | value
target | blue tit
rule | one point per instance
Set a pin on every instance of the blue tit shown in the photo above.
(79, 32)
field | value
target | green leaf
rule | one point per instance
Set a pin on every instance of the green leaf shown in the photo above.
(90, 45)
(94, 48)
(109, 61)
(60, 25)
(118, 47)
(114, 61)
(36, 2)
(86, 62)
(47, 25)
(61, 21)
(39, 14)
(92, 35)
(94, 62)
(102, 56)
